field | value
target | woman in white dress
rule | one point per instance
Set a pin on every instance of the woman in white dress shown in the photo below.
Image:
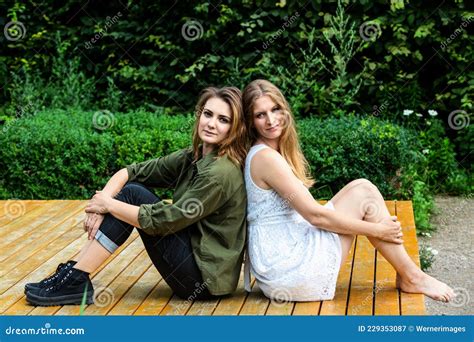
(297, 246)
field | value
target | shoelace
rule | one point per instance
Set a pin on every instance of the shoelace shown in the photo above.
(55, 275)
(59, 284)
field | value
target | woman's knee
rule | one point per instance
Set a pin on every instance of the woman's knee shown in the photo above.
(136, 193)
(363, 187)
(132, 187)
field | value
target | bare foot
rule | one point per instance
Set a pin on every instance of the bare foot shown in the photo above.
(427, 285)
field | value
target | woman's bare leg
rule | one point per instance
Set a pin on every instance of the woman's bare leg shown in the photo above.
(92, 256)
(361, 199)
(83, 251)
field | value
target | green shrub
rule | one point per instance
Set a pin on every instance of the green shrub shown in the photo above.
(67, 155)
(340, 150)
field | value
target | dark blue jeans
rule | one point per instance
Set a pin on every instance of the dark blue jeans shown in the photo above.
(172, 254)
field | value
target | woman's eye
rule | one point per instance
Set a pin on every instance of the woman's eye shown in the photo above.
(224, 120)
(207, 114)
(276, 109)
(259, 115)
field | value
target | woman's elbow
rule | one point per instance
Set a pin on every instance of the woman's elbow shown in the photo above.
(317, 219)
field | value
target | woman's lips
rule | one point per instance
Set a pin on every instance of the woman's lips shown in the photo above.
(272, 129)
(209, 133)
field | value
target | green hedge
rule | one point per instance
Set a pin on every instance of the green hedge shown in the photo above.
(69, 154)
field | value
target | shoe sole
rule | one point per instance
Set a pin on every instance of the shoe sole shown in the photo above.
(75, 299)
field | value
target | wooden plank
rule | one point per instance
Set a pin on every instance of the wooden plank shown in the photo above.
(338, 305)
(132, 283)
(256, 303)
(282, 308)
(307, 308)
(410, 303)
(207, 307)
(52, 310)
(386, 293)
(38, 224)
(176, 306)
(156, 300)
(361, 291)
(232, 304)
(203, 307)
(9, 212)
(18, 251)
(130, 302)
(30, 222)
(108, 274)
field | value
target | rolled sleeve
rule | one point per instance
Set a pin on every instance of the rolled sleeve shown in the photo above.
(202, 198)
(161, 172)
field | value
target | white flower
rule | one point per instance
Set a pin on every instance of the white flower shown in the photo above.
(434, 252)
(432, 112)
(426, 151)
(407, 112)
(419, 114)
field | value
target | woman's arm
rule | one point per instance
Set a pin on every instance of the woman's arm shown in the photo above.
(116, 183)
(273, 170)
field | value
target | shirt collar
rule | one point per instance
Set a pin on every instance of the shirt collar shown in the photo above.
(207, 159)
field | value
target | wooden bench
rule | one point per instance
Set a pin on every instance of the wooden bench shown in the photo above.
(37, 235)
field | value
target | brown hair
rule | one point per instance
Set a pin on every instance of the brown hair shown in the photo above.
(289, 146)
(234, 145)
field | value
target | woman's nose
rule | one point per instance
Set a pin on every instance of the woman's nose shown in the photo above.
(211, 122)
(270, 118)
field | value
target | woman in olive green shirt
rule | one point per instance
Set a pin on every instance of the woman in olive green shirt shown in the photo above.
(197, 241)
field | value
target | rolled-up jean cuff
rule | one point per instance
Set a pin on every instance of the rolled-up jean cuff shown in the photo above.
(106, 242)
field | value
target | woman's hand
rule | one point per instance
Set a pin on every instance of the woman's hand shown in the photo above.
(99, 203)
(92, 224)
(390, 230)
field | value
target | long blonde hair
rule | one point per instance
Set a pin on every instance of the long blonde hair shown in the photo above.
(234, 145)
(288, 146)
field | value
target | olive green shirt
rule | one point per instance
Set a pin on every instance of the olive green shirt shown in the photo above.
(210, 198)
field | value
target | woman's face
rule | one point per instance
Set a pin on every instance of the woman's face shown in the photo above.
(268, 118)
(215, 121)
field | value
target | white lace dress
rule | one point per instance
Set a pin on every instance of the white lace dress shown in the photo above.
(290, 258)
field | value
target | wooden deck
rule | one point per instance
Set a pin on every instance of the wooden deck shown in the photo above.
(37, 235)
